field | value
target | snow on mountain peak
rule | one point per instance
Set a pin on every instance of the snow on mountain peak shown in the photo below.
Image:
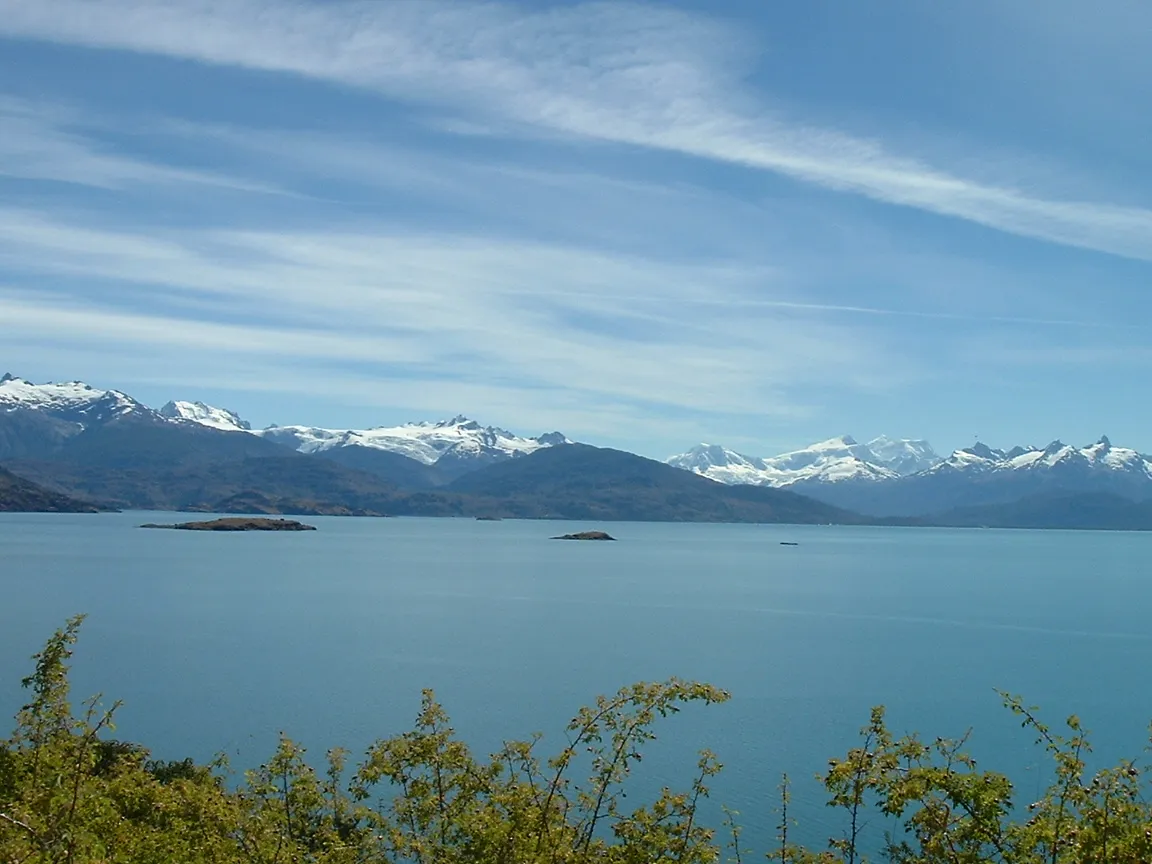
(552, 439)
(459, 421)
(73, 401)
(460, 438)
(831, 461)
(903, 455)
(712, 460)
(1056, 456)
(840, 442)
(205, 415)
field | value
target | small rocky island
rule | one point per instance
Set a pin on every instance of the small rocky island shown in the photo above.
(238, 523)
(586, 535)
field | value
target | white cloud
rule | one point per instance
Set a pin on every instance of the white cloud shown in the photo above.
(622, 334)
(316, 396)
(620, 212)
(41, 142)
(26, 315)
(621, 73)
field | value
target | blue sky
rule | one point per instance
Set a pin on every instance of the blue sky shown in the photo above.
(756, 224)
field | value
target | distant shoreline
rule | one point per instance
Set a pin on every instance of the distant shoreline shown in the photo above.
(909, 523)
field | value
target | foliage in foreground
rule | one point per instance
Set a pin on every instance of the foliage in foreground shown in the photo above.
(70, 793)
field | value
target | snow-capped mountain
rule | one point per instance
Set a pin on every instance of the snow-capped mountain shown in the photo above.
(108, 431)
(205, 415)
(721, 464)
(903, 455)
(72, 402)
(1056, 458)
(457, 440)
(84, 405)
(905, 477)
(981, 475)
(833, 461)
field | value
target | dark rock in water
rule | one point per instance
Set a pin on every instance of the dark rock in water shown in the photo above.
(585, 535)
(788, 543)
(238, 524)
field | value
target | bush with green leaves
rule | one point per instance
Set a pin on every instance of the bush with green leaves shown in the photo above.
(71, 793)
(68, 793)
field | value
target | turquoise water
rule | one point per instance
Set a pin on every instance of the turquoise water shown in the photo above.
(217, 641)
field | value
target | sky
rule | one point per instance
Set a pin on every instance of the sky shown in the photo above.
(644, 225)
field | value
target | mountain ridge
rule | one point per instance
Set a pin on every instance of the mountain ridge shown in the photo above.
(454, 446)
(1080, 511)
(20, 495)
(578, 481)
(78, 440)
(835, 460)
(205, 415)
(139, 458)
(855, 477)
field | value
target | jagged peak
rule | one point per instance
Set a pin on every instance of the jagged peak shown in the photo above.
(459, 420)
(840, 441)
(911, 442)
(982, 450)
(705, 447)
(204, 414)
(552, 439)
(712, 453)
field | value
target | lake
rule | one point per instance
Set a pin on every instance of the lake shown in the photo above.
(217, 641)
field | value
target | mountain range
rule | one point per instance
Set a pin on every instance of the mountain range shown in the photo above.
(906, 478)
(837, 460)
(105, 447)
(449, 448)
(20, 495)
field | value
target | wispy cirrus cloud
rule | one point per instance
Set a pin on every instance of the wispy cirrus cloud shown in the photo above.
(49, 142)
(524, 319)
(622, 73)
(423, 320)
(420, 320)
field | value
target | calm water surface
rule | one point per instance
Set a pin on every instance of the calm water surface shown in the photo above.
(217, 641)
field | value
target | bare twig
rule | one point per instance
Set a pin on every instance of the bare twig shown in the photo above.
(19, 824)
